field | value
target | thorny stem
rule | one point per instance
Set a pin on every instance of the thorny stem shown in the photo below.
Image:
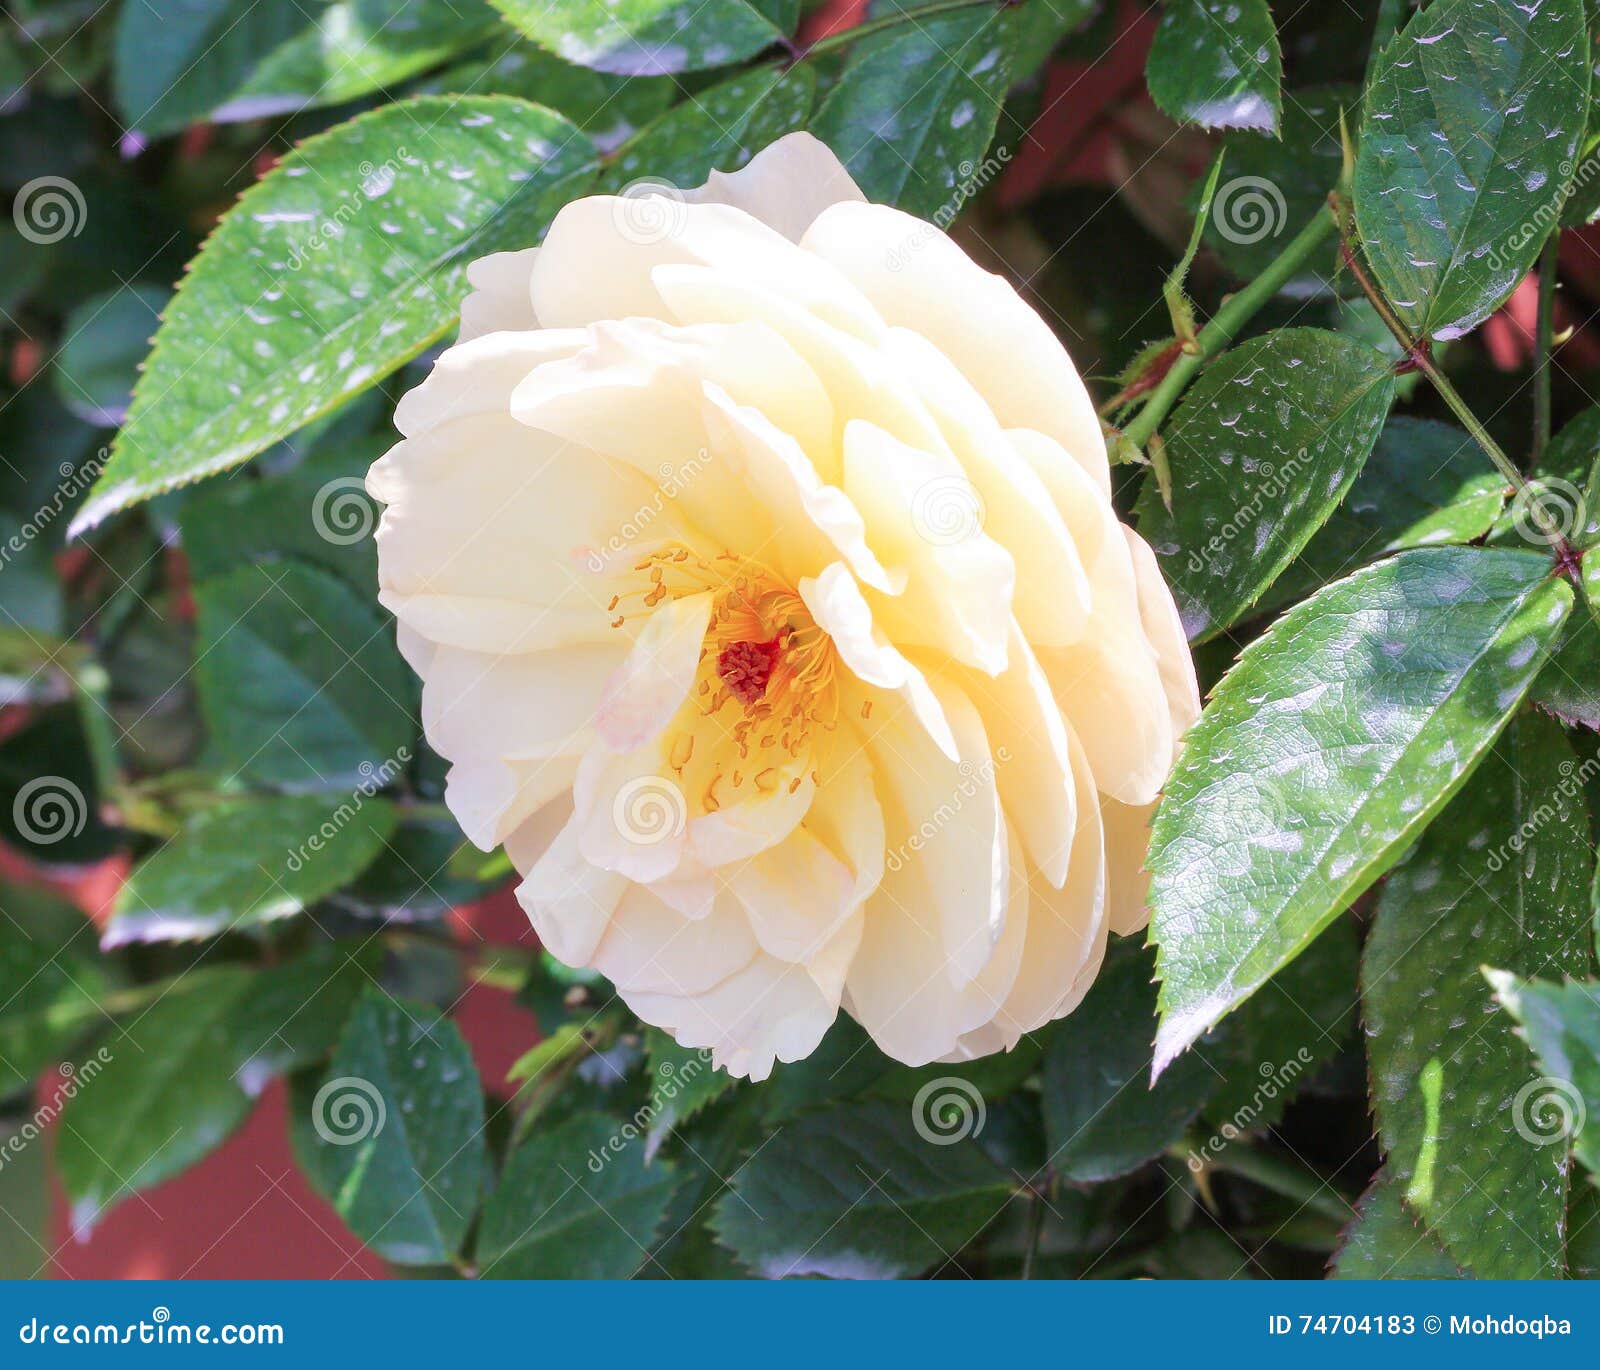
(1543, 343)
(1419, 358)
(1225, 325)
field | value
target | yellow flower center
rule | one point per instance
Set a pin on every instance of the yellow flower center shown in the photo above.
(765, 683)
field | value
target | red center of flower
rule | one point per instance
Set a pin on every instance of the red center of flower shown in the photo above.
(746, 667)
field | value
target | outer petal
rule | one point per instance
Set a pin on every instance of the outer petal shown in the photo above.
(1127, 880)
(568, 900)
(651, 948)
(771, 1010)
(596, 263)
(543, 704)
(500, 297)
(1164, 629)
(1109, 684)
(918, 278)
(785, 185)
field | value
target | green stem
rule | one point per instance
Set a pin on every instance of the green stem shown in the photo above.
(1418, 356)
(1270, 1171)
(1543, 343)
(889, 21)
(1035, 1230)
(1225, 325)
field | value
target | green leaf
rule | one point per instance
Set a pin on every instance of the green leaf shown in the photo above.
(353, 48)
(610, 109)
(319, 512)
(857, 1193)
(296, 1011)
(1569, 685)
(1330, 744)
(414, 878)
(300, 683)
(1262, 450)
(1425, 483)
(1500, 879)
(1274, 185)
(847, 1063)
(682, 1082)
(1561, 1022)
(397, 1132)
(248, 862)
(1216, 63)
(153, 1101)
(347, 259)
(106, 337)
(1041, 25)
(1102, 1118)
(1583, 1233)
(571, 1207)
(992, 1076)
(708, 1155)
(1282, 1034)
(646, 37)
(177, 60)
(1387, 1242)
(1472, 122)
(50, 983)
(720, 129)
(915, 109)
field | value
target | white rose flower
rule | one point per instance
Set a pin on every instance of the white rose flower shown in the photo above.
(756, 551)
